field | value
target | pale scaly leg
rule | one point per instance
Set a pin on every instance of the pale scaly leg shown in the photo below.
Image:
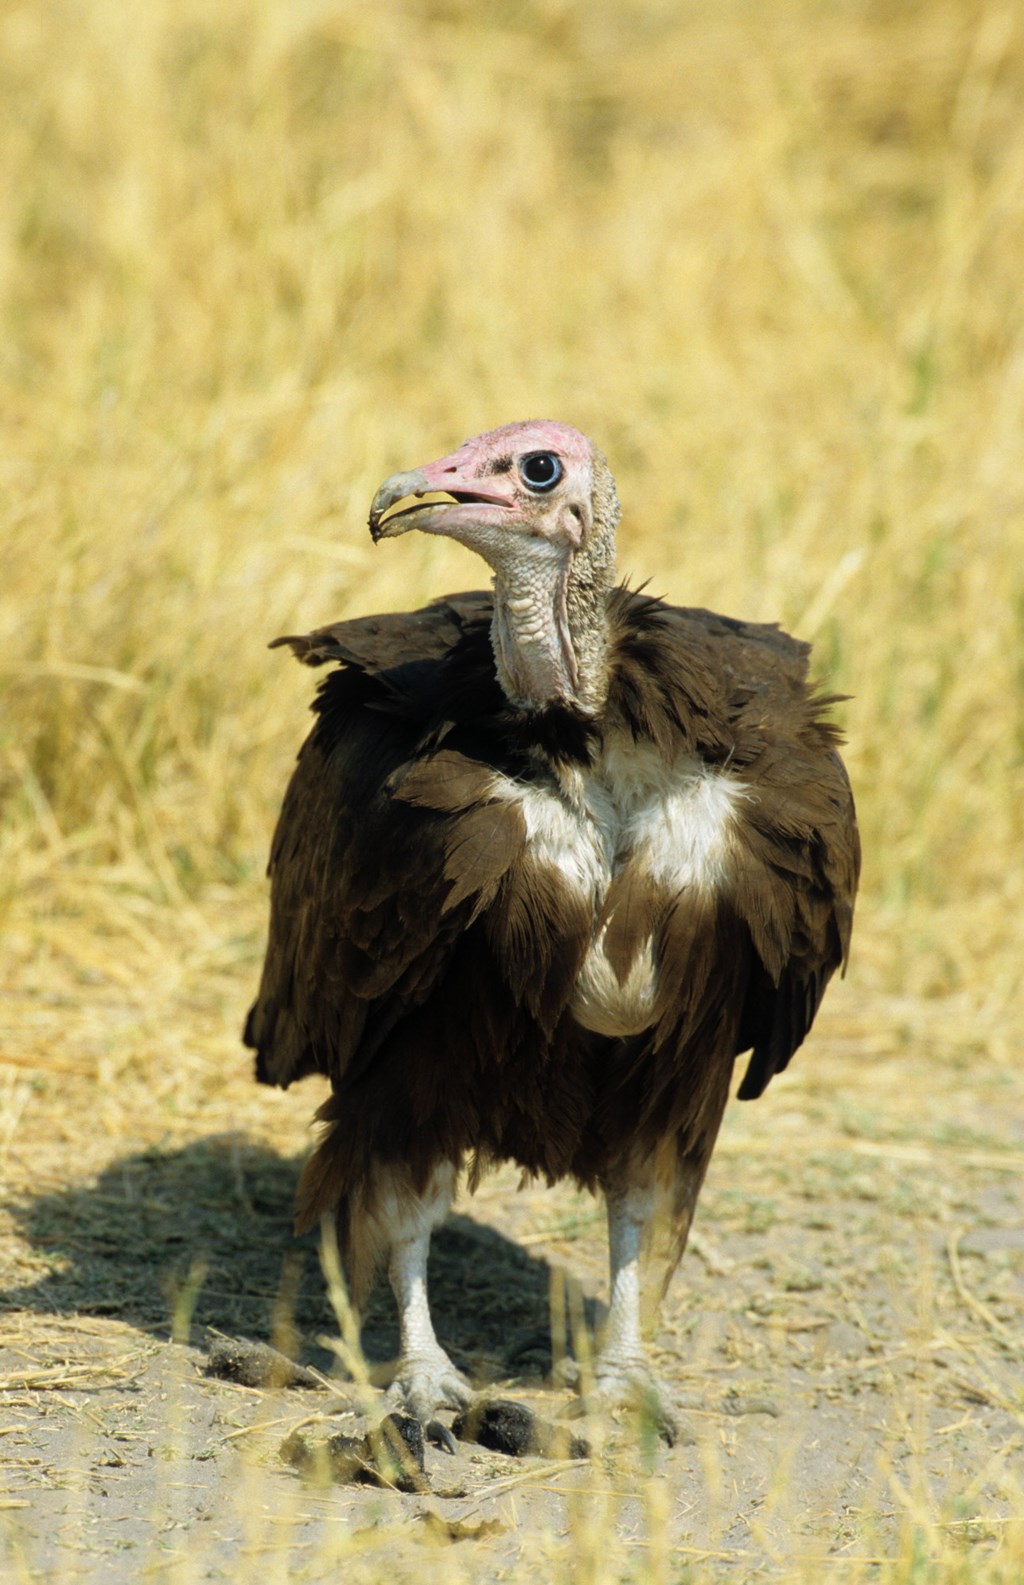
(425, 1378)
(623, 1377)
(630, 1209)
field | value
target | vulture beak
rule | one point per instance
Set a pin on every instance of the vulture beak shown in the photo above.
(385, 525)
(405, 500)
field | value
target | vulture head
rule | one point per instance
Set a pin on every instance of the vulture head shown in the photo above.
(537, 501)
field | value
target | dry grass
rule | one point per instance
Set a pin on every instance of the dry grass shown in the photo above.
(253, 258)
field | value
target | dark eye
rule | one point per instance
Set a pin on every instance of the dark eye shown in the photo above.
(540, 471)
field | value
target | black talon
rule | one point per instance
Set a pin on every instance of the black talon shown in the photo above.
(439, 1434)
(643, 1396)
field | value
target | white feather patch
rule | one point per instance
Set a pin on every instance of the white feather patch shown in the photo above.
(673, 819)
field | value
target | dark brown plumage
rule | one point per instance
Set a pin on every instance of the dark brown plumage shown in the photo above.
(440, 948)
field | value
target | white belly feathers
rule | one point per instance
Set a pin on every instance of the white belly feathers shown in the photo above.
(631, 807)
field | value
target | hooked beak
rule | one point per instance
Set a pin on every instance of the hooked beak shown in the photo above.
(385, 525)
(406, 500)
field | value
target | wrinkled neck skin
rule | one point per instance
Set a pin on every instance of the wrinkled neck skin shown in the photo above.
(549, 632)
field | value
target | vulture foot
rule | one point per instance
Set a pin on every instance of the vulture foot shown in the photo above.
(424, 1383)
(632, 1386)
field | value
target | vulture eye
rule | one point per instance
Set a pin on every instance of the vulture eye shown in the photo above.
(540, 471)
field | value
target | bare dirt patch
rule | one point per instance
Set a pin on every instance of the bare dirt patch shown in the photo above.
(844, 1335)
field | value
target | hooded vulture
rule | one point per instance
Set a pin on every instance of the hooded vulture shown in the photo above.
(551, 859)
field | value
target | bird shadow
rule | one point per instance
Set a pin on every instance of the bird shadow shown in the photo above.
(176, 1241)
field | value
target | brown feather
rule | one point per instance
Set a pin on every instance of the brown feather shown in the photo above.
(631, 905)
(424, 960)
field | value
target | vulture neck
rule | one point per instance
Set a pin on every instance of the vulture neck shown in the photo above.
(550, 636)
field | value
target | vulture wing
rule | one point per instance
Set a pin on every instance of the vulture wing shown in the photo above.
(736, 694)
(361, 910)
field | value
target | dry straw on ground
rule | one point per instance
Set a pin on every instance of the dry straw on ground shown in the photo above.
(252, 258)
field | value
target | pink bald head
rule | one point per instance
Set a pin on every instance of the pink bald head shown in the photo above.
(537, 502)
(524, 484)
(494, 452)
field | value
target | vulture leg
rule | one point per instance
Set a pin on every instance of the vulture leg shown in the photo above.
(425, 1378)
(623, 1376)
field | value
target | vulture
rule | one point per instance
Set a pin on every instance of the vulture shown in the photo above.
(553, 856)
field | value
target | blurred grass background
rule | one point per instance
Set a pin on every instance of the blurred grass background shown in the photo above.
(253, 257)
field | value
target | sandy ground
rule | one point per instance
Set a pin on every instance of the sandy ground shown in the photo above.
(844, 1337)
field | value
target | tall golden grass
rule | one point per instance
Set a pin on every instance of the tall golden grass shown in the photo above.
(254, 256)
